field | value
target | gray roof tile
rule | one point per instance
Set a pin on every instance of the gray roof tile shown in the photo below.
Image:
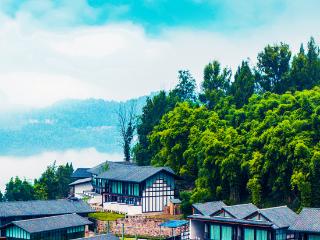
(81, 173)
(208, 208)
(241, 210)
(281, 217)
(120, 171)
(51, 223)
(307, 221)
(43, 207)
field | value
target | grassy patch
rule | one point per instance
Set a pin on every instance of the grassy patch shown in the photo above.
(106, 216)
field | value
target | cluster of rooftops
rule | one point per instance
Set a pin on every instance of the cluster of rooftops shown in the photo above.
(282, 217)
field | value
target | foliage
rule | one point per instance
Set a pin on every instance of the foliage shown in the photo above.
(255, 139)
(106, 216)
(273, 67)
(19, 190)
(53, 184)
(1, 196)
(216, 84)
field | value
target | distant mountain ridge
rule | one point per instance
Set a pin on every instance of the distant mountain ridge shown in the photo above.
(68, 124)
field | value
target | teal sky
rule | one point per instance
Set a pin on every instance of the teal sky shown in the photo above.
(153, 15)
(57, 49)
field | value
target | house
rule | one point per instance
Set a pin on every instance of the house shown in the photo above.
(131, 189)
(107, 236)
(69, 226)
(22, 210)
(241, 222)
(306, 226)
(79, 187)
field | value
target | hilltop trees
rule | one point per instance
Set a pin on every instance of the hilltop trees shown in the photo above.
(273, 68)
(19, 190)
(215, 85)
(254, 138)
(242, 87)
(53, 184)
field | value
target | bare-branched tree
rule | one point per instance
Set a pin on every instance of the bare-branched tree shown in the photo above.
(127, 125)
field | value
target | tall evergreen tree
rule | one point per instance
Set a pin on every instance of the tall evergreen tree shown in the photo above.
(313, 62)
(299, 78)
(186, 87)
(1, 196)
(243, 86)
(215, 85)
(273, 68)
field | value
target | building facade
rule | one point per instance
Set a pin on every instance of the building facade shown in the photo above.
(240, 222)
(61, 227)
(23, 210)
(133, 189)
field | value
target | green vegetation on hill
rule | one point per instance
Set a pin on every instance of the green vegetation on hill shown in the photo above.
(52, 184)
(255, 138)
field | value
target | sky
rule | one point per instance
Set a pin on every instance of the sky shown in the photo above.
(58, 49)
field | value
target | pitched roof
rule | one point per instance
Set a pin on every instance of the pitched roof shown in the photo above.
(81, 173)
(79, 181)
(231, 220)
(281, 217)
(240, 211)
(307, 221)
(209, 208)
(51, 223)
(120, 171)
(43, 207)
(107, 236)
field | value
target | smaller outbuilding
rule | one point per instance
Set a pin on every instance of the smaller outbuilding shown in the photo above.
(62, 227)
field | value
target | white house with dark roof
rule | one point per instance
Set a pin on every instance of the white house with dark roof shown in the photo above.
(241, 222)
(131, 189)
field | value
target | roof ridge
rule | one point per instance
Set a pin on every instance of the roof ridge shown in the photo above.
(38, 219)
(38, 200)
(274, 207)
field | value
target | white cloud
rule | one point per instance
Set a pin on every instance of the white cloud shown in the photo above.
(120, 61)
(31, 167)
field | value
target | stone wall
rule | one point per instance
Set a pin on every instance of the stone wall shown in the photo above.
(138, 225)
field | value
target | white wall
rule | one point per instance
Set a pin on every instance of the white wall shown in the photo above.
(80, 188)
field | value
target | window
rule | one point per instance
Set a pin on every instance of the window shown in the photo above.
(248, 234)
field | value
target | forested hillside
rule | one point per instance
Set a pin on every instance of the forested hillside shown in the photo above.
(252, 136)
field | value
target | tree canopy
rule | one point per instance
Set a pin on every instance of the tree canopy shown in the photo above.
(255, 138)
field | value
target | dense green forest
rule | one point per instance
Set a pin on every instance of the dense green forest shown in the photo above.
(249, 136)
(52, 184)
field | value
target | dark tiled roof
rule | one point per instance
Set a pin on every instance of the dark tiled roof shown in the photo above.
(241, 210)
(307, 221)
(230, 220)
(51, 223)
(281, 217)
(127, 172)
(81, 173)
(209, 208)
(79, 181)
(107, 236)
(43, 208)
